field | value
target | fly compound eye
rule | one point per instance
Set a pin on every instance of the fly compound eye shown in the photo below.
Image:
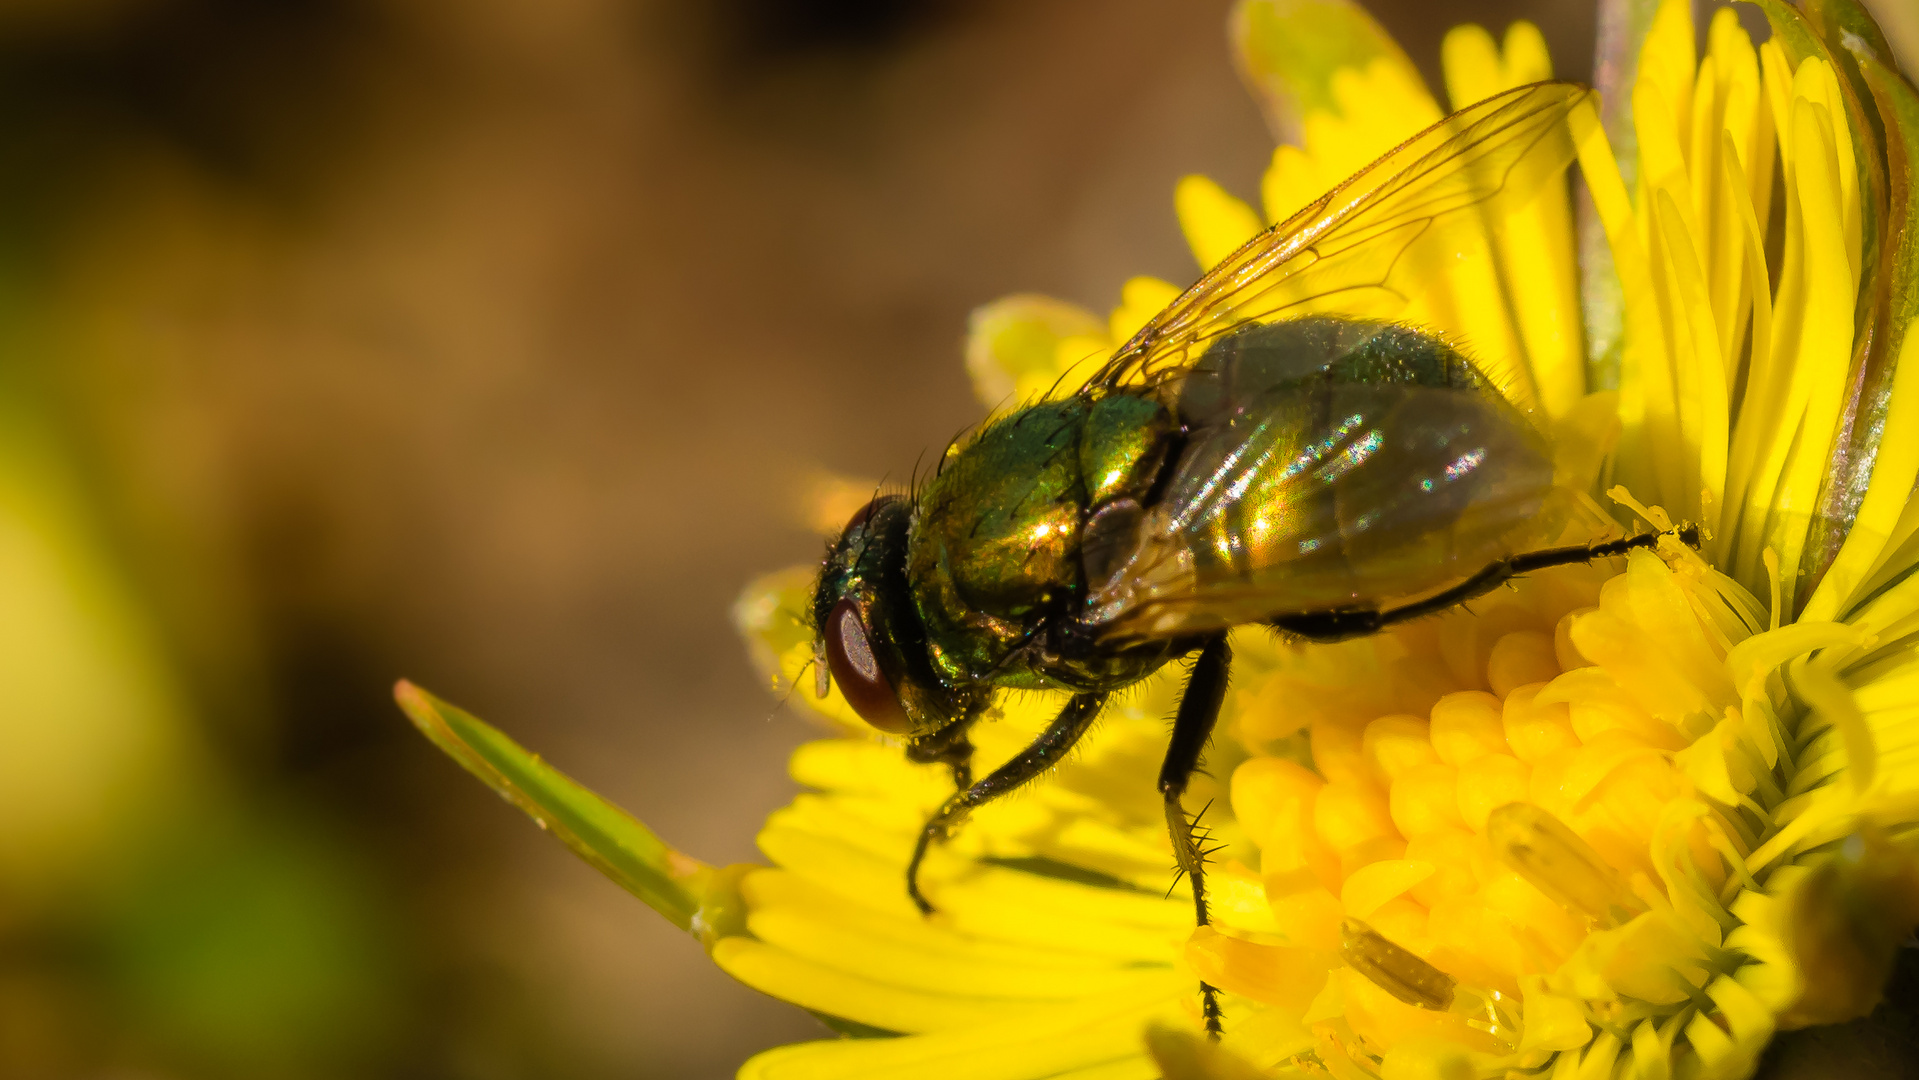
(855, 666)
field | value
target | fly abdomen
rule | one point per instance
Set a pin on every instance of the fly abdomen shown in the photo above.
(1327, 463)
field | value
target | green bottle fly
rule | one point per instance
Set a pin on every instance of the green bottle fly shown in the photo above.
(1242, 460)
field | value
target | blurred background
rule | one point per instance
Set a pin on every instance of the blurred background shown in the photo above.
(487, 343)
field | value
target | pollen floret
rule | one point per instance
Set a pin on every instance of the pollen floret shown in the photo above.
(1515, 805)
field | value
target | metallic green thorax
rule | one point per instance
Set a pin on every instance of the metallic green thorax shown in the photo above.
(995, 547)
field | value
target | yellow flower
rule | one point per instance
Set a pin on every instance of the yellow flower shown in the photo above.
(1625, 820)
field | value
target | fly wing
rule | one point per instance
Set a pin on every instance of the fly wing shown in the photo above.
(1328, 463)
(1364, 247)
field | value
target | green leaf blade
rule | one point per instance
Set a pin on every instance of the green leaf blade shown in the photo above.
(607, 837)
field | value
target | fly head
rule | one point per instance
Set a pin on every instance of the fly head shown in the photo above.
(870, 638)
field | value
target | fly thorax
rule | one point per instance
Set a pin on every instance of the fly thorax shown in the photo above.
(1127, 444)
(995, 541)
(996, 554)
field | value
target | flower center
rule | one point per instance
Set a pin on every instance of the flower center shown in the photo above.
(1487, 800)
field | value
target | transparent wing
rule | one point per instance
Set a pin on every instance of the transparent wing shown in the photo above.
(1379, 244)
(1327, 464)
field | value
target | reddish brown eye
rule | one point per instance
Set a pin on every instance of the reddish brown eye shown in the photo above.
(855, 667)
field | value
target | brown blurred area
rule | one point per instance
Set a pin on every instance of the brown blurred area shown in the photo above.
(487, 344)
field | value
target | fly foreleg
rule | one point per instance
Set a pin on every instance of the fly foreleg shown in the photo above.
(1043, 753)
(949, 747)
(1192, 728)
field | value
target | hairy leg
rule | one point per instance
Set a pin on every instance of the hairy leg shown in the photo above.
(950, 747)
(1046, 751)
(1192, 728)
(1341, 624)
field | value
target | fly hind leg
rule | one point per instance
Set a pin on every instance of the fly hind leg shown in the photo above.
(1340, 624)
(1043, 753)
(1192, 727)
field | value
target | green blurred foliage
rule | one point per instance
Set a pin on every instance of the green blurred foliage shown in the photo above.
(154, 913)
(250, 944)
(164, 909)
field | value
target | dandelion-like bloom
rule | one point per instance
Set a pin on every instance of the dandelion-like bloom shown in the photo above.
(1624, 820)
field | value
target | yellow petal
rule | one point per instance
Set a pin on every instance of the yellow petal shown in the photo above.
(1377, 107)
(1735, 1052)
(1666, 60)
(1013, 344)
(1888, 496)
(1729, 140)
(810, 985)
(886, 949)
(1181, 1054)
(1291, 181)
(1215, 223)
(1474, 71)
(1029, 1042)
(1526, 58)
(1291, 51)
(1802, 393)
(1533, 234)
(1656, 117)
(1699, 367)
(1750, 437)
(1875, 552)
(1279, 975)
(1553, 1022)
(1140, 299)
(1644, 332)
(1367, 888)
(770, 890)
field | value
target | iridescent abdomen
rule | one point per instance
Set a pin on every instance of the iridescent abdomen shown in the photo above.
(1327, 463)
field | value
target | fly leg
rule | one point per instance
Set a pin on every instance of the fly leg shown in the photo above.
(948, 746)
(1042, 754)
(1340, 624)
(1192, 727)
